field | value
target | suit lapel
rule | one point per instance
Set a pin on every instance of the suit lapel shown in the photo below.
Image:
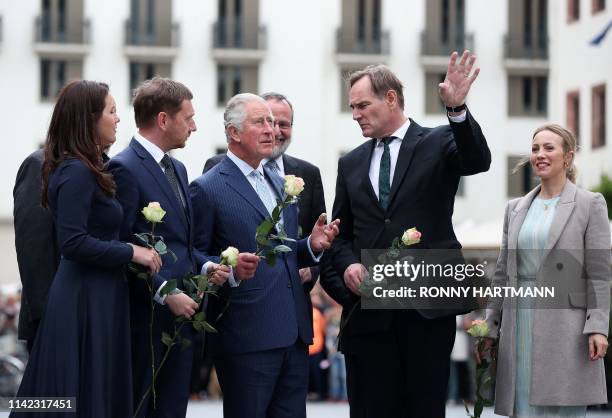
(238, 182)
(366, 183)
(517, 217)
(564, 209)
(411, 140)
(290, 166)
(156, 172)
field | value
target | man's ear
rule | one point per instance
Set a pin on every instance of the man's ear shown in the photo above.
(233, 133)
(161, 120)
(391, 98)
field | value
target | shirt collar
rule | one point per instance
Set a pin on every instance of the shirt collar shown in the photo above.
(244, 167)
(400, 133)
(156, 152)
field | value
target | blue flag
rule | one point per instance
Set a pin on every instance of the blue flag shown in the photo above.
(600, 36)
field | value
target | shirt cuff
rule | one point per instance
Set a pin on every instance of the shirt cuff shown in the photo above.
(233, 282)
(158, 298)
(459, 118)
(314, 257)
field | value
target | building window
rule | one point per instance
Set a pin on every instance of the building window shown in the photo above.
(598, 116)
(221, 150)
(527, 95)
(52, 78)
(597, 5)
(345, 85)
(234, 79)
(573, 113)
(141, 71)
(433, 104)
(520, 178)
(54, 74)
(573, 10)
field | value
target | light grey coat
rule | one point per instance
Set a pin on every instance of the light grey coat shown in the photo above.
(576, 260)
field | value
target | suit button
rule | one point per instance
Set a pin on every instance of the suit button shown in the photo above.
(289, 285)
(387, 221)
(559, 266)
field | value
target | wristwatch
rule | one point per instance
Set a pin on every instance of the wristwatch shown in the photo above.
(456, 109)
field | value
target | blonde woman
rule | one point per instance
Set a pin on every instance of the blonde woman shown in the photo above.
(550, 361)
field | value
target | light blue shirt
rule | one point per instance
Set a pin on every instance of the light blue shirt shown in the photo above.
(246, 169)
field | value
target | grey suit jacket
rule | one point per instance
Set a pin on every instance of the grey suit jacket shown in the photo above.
(576, 260)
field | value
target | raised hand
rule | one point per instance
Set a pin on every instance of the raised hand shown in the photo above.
(323, 235)
(458, 80)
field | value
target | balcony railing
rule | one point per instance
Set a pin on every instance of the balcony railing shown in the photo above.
(378, 44)
(135, 36)
(519, 48)
(232, 34)
(70, 34)
(432, 43)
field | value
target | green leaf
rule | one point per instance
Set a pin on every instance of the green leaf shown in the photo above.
(478, 408)
(263, 241)
(276, 212)
(167, 339)
(209, 328)
(281, 249)
(271, 259)
(185, 343)
(197, 325)
(143, 276)
(264, 228)
(202, 283)
(286, 238)
(395, 243)
(169, 287)
(161, 247)
(487, 383)
(200, 316)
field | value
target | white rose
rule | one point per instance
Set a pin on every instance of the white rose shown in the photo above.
(229, 257)
(153, 212)
(411, 236)
(293, 185)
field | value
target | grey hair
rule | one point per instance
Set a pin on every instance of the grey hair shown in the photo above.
(235, 111)
(278, 97)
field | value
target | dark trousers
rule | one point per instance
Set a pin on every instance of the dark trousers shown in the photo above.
(402, 372)
(264, 384)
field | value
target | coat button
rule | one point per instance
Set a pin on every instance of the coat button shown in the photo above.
(559, 266)
(387, 221)
(289, 285)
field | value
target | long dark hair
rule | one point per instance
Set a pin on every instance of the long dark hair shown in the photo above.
(72, 132)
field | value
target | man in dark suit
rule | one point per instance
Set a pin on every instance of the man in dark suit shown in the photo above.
(36, 246)
(261, 349)
(312, 199)
(145, 173)
(405, 176)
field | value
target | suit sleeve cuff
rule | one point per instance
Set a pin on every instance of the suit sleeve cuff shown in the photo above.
(233, 282)
(158, 298)
(459, 118)
(316, 258)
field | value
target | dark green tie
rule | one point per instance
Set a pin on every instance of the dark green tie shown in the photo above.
(384, 175)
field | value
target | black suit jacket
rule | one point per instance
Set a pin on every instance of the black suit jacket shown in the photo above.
(429, 165)
(312, 200)
(35, 243)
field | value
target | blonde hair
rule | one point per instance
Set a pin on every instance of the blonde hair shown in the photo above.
(568, 142)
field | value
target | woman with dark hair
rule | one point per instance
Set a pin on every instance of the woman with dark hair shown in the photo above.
(82, 349)
(550, 358)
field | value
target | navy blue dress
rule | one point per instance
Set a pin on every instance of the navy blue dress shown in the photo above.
(82, 348)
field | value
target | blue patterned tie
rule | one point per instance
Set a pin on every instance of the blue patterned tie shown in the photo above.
(384, 175)
(263, 191)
